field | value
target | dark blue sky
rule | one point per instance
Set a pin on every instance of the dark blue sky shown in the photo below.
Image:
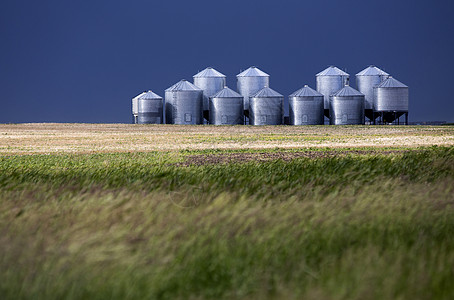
(83, 61)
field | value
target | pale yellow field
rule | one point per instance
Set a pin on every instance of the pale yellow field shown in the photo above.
(41, 138)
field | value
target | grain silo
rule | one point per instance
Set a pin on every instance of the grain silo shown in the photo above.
(211, 82)
(184, 104)
(346, 107)
(250, 82)
(329, 81)
(150, 108)
(366, 80)
(306, 107)
(266, 107)
(226, 108)
(391, 100)
(135, 108)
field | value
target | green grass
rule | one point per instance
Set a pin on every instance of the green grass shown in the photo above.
(137, 225)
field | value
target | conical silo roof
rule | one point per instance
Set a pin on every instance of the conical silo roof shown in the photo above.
(372, 71)
(392, 83)
(332, 71)
(183, 85)
(226, 93)
(266, 92)
(253, 72)
(149, 96)
(138, 96)
(306, 91)
(347, 91)
(209, 72)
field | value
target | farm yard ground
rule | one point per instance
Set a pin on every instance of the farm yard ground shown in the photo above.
(111, 211)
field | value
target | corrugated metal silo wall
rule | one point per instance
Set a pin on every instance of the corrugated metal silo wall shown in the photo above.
(249, 85)
(266, 111)
(306, 110)
(184, 107)
(135, 110)
(347, 110)
(135, 106)
(366, 84)
(328, 85)
(210, 86)
(226, 111)
(150, 111)
(391, 99)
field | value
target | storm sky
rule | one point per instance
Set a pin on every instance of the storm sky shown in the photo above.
(83, 61)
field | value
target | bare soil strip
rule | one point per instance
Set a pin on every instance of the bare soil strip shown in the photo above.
(48, 138)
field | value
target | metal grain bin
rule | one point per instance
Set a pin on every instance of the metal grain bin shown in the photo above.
(226, 108)
(266, 107)
(346, 107)
(135, 108)
(251, 81)
(150, 108)
(391, 95)
(306, 107)
(329, 81)
(211, 82)
(184, 104)
(366, 80)
(391, 101)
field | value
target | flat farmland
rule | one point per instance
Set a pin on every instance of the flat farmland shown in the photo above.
(116, 211)
(109, 138)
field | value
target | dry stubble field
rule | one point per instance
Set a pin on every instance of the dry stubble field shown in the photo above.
(110, 138)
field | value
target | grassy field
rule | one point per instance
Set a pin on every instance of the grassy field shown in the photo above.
(198, 213)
